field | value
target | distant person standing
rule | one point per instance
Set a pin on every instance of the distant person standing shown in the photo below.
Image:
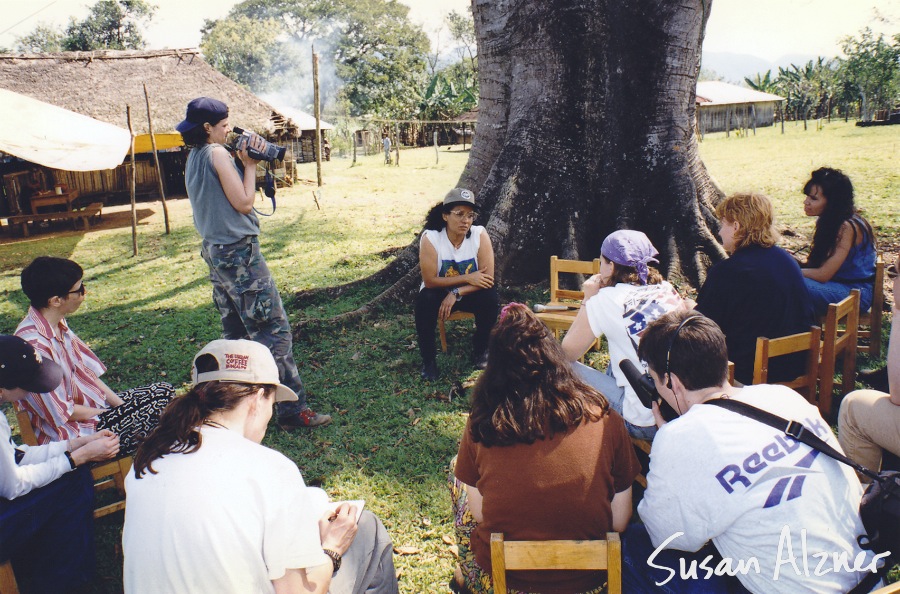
(221, 195)
(386, 143)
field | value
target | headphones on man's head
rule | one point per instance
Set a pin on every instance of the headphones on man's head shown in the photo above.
(672, 343)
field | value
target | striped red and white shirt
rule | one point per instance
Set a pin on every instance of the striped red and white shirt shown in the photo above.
(51, 412)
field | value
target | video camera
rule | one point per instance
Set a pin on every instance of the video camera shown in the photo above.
(645, 389)
(270, 152)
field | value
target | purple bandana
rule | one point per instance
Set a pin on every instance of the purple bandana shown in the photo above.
(630, 248)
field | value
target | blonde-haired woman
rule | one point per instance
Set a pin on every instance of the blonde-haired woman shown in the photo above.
(758, 291)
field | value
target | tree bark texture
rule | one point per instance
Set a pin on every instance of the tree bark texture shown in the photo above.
(586, 125)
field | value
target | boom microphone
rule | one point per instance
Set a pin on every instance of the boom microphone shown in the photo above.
(540, 307)
(642, 383)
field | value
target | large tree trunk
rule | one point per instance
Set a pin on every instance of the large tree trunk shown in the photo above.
(585, 126)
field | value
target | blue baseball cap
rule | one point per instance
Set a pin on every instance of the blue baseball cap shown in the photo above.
(202, 110)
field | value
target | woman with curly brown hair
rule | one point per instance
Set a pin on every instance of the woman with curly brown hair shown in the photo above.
(542, 457)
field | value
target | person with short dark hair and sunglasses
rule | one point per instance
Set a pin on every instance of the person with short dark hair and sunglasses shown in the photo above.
(82, 403)
(767, 502)
(457, 263)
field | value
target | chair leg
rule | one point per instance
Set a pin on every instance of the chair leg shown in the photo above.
(848, 380)
(826, 389)
(8, 583)
(443, 332)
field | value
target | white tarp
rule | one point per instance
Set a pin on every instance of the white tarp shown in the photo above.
(58, 138)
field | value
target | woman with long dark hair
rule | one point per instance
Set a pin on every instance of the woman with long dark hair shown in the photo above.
(457, 263)
(842, 254)
(212, 510)
(542, 457)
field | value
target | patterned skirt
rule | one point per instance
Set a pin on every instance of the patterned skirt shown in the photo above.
(137, 416)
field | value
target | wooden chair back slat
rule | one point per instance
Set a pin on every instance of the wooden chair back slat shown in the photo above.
(560, 321)
(767, 349)
(870, 321)
(839, 340)
(557, 554)
(558, 266)
(26, 431)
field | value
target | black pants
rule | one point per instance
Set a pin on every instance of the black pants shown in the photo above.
(484, 303)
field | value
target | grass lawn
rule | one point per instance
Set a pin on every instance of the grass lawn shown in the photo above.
(393, 435)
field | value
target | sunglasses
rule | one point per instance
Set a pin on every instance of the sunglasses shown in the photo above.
(79, 290)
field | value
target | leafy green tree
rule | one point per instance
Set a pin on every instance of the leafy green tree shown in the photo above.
(380, 56)
(872, 69)
(462, 31)
(370, 46)
(110, 24)
(243, 49)
(44, 38)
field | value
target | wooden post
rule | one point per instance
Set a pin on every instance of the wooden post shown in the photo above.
(353, 142)
(162, 191)
(727, 124)
(437, 154)
(396, 144)
(134, 245)
(318, 140)
(464, 137)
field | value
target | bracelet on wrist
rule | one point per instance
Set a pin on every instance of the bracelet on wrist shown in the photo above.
(68, 456)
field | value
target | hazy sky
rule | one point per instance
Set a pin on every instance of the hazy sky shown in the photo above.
(765, 28)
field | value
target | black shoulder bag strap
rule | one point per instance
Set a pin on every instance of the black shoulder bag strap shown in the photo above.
(796, 430)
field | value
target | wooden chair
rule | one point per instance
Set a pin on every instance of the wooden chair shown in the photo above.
(562, 320)
(870, 321)
(889, 589)
(8, 584)
(456, 315)
(557, 554)
(767, 348)
(107, 475)
(839, 339)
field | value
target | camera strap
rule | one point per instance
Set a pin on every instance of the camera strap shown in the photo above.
(268, 190)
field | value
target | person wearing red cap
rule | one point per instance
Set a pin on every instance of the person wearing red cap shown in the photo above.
(46, 491)
(222, 193)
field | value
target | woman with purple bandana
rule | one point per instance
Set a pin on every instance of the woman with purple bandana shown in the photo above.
(619, 303)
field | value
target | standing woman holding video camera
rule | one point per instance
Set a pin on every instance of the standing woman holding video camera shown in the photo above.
(222, 194)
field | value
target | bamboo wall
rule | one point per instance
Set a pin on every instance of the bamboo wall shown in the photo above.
(109, 181)
(718, 118)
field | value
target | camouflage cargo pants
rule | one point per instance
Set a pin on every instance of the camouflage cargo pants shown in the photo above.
(250, 306)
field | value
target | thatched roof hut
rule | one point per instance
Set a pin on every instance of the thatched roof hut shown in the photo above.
(100, 83)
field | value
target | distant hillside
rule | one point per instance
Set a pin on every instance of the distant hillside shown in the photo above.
(734, 67)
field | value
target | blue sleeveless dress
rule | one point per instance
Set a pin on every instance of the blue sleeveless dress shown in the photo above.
(857, 272)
